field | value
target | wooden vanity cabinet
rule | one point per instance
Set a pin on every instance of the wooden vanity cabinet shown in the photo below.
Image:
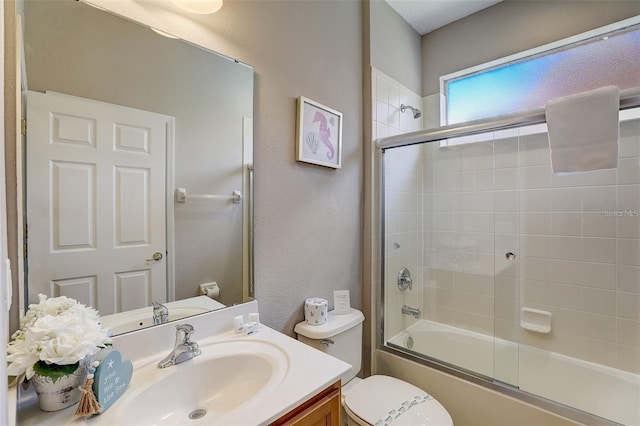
(324, 409)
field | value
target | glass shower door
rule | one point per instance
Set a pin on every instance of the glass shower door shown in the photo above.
(507, 228)
(519, 275)
(439, 225)
(579, 275)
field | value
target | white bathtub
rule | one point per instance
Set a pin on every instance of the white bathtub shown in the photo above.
(603, 391)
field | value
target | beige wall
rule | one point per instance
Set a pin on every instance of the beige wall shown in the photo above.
(308, 224)
(395, 46)
(509, 27)
(308, 219)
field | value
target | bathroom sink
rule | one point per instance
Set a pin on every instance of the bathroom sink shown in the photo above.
(137, 319)
(130, 321)
(236, 380)
(226, 376)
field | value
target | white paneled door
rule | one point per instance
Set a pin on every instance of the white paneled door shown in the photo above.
(96, 202)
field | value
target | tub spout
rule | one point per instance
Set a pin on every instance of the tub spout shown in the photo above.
(414, 312)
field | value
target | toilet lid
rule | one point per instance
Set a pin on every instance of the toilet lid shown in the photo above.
(383, 400)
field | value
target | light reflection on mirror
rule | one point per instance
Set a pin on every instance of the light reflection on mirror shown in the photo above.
(206, 101)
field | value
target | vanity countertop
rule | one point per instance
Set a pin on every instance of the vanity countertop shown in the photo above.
(308, 371)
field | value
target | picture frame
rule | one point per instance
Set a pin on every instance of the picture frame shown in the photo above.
(319, 134)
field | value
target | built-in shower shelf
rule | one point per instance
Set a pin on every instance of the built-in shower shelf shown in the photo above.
(536, 320)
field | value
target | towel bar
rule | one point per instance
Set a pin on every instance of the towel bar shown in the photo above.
(182, 195)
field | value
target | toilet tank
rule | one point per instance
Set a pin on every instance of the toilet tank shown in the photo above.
(340, 336)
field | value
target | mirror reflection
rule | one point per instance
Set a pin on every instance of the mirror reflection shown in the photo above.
(120, 117)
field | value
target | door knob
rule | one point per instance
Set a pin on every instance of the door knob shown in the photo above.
(157, 256)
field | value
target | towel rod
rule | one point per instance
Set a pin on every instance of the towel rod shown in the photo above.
(629, 98)
(182, 195)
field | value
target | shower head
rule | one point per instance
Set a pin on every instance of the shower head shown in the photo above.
(416, 111)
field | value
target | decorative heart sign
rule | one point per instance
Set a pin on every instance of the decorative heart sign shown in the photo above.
(112, 377)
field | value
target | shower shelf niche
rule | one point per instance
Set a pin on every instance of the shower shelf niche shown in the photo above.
(536, 320)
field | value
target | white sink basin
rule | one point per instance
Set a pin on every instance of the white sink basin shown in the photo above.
(226, 376)
(137, 319)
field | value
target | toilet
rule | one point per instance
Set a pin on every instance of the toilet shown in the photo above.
(377, 400)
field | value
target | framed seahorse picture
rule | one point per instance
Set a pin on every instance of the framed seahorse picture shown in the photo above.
(319, 134)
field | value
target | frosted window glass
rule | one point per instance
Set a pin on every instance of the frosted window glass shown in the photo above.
(529, 83)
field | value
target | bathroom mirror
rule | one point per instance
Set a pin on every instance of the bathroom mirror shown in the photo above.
(113, 234)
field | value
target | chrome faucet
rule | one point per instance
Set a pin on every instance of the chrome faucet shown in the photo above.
(408, 310)
(160, 313)
(184, 348)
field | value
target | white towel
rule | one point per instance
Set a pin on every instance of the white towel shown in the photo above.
(583, 130)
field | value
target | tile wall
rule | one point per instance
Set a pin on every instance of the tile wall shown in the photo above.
(404, 197)
(459, 235)
(576, 239)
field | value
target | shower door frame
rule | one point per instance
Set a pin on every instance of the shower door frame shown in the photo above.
(628, 99)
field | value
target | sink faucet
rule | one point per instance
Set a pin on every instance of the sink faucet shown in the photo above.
(184, 348)
(160, 313)
(415, 312)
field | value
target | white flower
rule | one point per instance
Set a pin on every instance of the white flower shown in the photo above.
(57, 331)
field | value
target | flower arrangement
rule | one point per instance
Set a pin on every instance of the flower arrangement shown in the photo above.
(54, 336)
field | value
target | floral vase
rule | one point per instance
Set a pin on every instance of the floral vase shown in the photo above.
(64, 392)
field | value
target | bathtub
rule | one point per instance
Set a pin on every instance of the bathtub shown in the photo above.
(604, 391)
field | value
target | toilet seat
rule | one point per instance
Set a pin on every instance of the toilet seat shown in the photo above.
(382, 400)
(353, 417)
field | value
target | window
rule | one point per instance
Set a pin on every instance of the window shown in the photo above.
(606, 56)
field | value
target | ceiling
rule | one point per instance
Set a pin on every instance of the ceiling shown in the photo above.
(427, 15)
